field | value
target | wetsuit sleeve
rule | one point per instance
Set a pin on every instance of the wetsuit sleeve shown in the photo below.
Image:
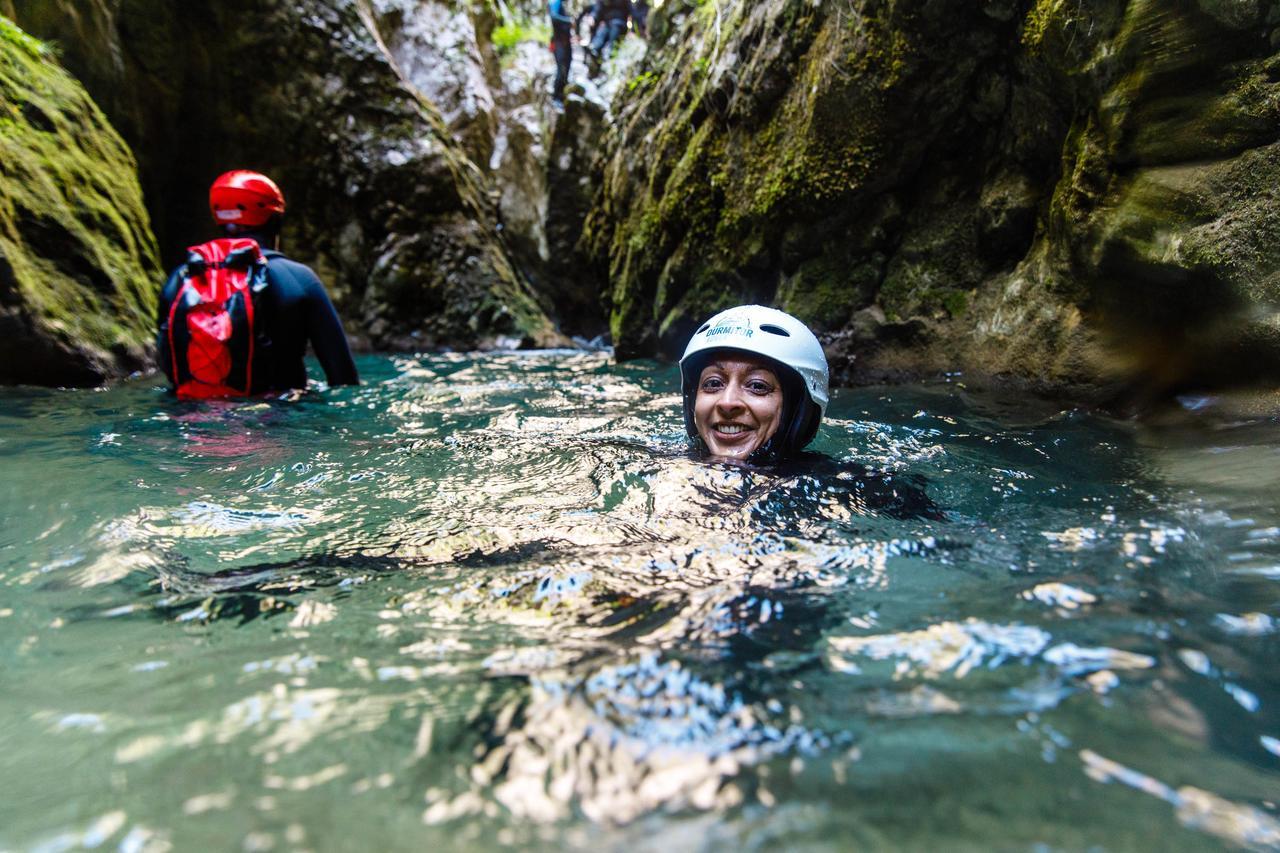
(329, 342)
(558, 16)
(167, 294)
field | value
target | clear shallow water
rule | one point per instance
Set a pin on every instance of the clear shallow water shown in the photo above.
(489, 601)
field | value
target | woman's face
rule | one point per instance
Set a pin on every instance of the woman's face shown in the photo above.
(738, 406)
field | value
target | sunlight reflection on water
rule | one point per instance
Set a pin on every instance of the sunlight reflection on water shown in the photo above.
(482, 601)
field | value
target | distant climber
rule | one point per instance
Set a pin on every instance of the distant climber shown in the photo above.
(577, 24)
(640, 17)
(235, 319)
(562, 32)
(611, 17)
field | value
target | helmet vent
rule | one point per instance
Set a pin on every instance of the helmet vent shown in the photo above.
(774, 330)
(705, 326)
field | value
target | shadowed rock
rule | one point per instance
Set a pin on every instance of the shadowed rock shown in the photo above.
(385, 200)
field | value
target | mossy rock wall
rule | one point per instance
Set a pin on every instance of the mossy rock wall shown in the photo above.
(385, 201)
(1066, 191)
(78, 262)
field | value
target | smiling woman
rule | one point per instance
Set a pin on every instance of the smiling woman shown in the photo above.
(738, 405)
(754, 382)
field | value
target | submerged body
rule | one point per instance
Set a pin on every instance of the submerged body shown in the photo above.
(295, 311)
(491, 598)
(235, 318)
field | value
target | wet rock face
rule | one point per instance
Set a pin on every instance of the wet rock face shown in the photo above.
(1065, 192)
(535, 160)
(385, 196)
(1181, 248)
(572, 159)
(78, 264)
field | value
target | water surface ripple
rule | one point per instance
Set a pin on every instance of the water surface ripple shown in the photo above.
(484, 601)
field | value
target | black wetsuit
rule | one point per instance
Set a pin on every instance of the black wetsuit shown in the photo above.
(640, 17)
(293, 309)
(795, 490)
(859, 489)
(562, 26)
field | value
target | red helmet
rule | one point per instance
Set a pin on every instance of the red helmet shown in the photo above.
(244, 198)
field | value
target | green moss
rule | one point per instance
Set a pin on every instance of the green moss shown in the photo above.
(826, 290)
(689, 200)
(510, 34)
(1037, 23)
(821, 144)
(955, 302)
(732, 187)
(641, 81)
(72, 222)
(923, 300)
(14, 37)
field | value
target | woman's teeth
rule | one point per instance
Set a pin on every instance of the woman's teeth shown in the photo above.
(731, 429)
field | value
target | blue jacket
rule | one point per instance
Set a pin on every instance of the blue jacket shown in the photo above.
(561, 20)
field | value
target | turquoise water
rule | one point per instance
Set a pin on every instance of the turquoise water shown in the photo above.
(490, 601)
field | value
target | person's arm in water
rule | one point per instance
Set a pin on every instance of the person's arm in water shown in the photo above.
(167, 294)
(320, 323)
(329, 342)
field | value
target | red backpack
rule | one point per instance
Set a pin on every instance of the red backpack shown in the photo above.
(211, 321)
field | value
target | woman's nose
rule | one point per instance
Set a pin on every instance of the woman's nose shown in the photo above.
(731, 398)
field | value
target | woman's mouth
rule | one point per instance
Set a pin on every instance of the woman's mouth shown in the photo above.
(731, 430)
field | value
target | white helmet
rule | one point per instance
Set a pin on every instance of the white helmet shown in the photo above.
(775, 335)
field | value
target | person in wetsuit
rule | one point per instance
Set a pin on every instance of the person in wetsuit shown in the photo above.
(292, 310)
(640, 17)
(610, 18)
(562, 28)
(755, 387)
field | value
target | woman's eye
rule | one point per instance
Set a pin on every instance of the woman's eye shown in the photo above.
(712, 384)
(759, 387)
